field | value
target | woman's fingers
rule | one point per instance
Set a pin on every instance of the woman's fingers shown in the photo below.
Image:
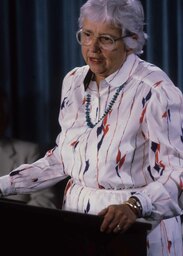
(117, 218)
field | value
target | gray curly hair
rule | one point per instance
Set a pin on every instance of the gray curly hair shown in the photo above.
(125, 14)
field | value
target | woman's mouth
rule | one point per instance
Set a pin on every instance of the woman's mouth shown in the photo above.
(95, 60)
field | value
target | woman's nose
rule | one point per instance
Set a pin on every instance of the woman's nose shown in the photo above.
(95, 45)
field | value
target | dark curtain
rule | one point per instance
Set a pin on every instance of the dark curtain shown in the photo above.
(164, 20)
(38, 47)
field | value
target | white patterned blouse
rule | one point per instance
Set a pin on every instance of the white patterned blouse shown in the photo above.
(125, 137)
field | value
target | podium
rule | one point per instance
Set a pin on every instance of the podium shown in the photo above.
(29, 229)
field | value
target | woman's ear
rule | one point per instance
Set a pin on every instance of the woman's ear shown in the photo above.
(131, 42)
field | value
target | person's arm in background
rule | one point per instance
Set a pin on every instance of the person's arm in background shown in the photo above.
(29, 178)
(50, 197)
(14, 153)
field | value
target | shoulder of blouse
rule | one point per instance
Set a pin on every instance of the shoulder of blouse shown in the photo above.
(73, 78)
(77, 72)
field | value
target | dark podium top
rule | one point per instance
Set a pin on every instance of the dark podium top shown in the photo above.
(53, 232)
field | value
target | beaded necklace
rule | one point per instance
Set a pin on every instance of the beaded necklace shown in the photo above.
(107, 110)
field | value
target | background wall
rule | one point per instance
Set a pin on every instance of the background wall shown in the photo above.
(38, 47)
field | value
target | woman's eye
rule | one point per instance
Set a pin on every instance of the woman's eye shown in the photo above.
(86, 34)
(106, 40)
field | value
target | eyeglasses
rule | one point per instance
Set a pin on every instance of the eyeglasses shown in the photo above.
(106, 42)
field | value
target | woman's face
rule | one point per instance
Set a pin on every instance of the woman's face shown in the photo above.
(103, 62)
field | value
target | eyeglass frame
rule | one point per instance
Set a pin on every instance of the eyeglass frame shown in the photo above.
(129, 34)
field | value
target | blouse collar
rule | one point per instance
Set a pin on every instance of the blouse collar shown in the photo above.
(118, 77)
(121, 75)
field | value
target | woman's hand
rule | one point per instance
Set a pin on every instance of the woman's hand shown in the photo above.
(117, 218)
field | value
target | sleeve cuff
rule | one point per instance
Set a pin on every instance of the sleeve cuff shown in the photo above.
(145, 202)
(5, 186)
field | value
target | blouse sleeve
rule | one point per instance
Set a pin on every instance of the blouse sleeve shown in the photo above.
(28, 178)
(46, 171)
(162, 198)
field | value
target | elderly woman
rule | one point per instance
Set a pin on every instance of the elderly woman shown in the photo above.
(121, 139)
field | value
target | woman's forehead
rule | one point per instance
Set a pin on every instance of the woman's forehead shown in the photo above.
(100, 26)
